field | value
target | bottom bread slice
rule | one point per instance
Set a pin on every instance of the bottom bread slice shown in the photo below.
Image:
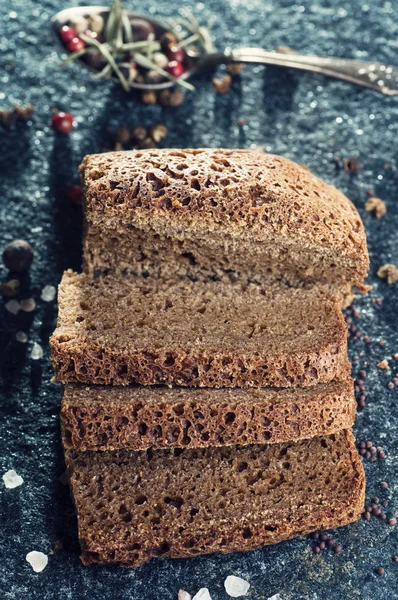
(133, 506)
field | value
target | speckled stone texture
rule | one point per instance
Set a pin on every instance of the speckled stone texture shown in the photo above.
(307, 118)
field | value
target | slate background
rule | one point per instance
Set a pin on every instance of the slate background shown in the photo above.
(307, 118)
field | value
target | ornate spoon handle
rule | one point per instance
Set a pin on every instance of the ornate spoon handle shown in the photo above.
(376, 76)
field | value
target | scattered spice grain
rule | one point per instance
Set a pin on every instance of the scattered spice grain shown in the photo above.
(352, 165)
(148, 97)
(62, 122)
(23, 113)
(138, 134)
(377, 206)
(122, 135)
(158, 132)
(388, 272)
(383, 364)
(235, 68)
(9, 289)
(176, 97)
(18, 256)
(221, 86)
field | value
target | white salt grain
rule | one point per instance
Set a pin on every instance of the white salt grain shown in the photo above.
(12, 479)
(27, 305)
(236, 586)
(37, 560)
(203, 594)
(183, 595)
(12, 306)
(37, 352)
(275, 597)
(48, 293)
(21, 336)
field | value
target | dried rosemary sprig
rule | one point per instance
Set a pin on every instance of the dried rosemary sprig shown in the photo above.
(196, 33)
(119, 45)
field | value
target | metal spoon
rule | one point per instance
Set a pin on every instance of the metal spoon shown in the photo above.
(376, 76)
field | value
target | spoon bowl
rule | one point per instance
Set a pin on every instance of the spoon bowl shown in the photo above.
(69, 14)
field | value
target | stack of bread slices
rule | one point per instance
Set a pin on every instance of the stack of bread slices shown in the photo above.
(207, 400)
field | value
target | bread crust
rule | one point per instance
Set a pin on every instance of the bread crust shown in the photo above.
(236, 206)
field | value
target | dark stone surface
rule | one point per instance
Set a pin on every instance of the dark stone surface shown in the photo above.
(305, 117)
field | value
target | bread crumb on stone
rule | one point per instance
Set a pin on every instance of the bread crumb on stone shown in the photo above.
(383, 365)
(9, 289)
(389, 272)
(377, 206)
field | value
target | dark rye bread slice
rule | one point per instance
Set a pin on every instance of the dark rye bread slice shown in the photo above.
(139, 417)
(133, 506)
(117, 330)
(215, 212)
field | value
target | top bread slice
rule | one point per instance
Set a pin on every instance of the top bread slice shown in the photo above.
(119, 330)
(241, 214)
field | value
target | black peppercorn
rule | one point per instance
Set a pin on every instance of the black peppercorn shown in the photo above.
(168, 40)
(147, 143)
(122, 135)
(94, 58)
(139, 134)
(18, 256)
(352, 165)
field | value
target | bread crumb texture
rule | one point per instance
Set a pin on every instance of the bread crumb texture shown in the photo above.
(132, 506)
(138, 417)
(116, 330)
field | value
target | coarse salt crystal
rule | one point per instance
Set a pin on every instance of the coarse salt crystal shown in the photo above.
(12, 479)
(37, 352)
(202, 594)
(275, 597)
(27, 305)
(236, 586)
(21, 336)
(12, 306)
(183, 595)
(48, 293)
(37, 560)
